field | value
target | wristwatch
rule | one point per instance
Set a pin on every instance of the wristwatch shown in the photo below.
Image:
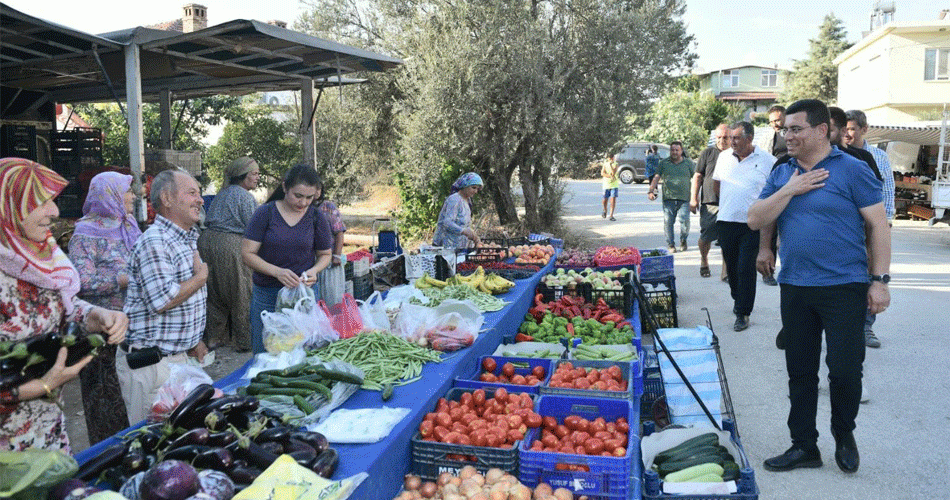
(883, 278)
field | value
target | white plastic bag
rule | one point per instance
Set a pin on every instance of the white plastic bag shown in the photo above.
(280, 333)
(367, 425)
(339, 394)
(265, 361)
(287, 297)
(182, 379)
(401, 294)
(332, 283)
(314, 323)
(373, 313)
(412, 321)
(451, 332)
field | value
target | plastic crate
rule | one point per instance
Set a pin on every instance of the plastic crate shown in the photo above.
(348, 271)
(609, 477)
(482, 255)
(656, 267)
(652, 485)
(540, 240)
(632, 373)
(553, 293)
(474, 383)
(362, 287)
(431, 458)
(661, 301)
(621, 300)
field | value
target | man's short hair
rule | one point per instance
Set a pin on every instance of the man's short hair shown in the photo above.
(164, 182)
(816, 113)
(677, 143)
(747, 129)
(777, 107)
(838, 116)
(858, 116)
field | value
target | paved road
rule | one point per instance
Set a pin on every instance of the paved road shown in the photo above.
(903, 433)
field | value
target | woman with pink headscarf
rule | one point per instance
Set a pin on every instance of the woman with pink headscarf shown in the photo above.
(100, 249)
(38, 287)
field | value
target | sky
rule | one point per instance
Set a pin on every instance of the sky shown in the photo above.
(727, 34)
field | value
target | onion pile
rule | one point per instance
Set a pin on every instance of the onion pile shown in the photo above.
(496, 484)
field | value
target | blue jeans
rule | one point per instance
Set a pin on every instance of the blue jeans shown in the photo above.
(264, 298)
(869, 322)
(670, 209)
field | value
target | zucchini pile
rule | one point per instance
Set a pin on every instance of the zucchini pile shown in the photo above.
(697, 460)
(310, 386)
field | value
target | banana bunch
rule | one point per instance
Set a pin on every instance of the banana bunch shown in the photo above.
(487, 283)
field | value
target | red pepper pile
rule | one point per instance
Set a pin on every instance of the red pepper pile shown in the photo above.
(571, 306)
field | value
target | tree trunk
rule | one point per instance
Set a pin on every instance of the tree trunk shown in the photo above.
(499, 186)
(529, 187)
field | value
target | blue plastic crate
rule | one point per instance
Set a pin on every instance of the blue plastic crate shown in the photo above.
(474, 383)
(656, 267)
(608, 477)
(632, 372)
(652, 485)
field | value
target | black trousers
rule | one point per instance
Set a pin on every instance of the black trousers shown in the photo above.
(740, 246)
(839, 311)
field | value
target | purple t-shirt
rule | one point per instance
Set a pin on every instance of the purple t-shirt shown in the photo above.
(288, 247)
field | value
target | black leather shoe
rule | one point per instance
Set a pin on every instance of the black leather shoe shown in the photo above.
(780, 339)
(846, 452)
(742, 322)
(793, 459)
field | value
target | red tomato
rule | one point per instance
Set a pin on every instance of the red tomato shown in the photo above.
(549, 423)
(515, 435)
(456, 413)
(567, 366)
(603, 435)
(425, 428)
(430, 416)
(478, 397)
(440, 433)
(566, 448)
(464, 439)
(611, 427)
(621, 420)
(519, 380)
(443, 419)
(570, 422)
(451, 438)
(466, 399)
(526, 401)
(493, 440)
(620, 452)
(615, 373)
(459, 427)
(477, 424)
(533, 420)
(593, 377)
(537, 446)
(508, 370)
(580, 449)
(600, 385)
(532, 380)
(501, 394)
(583, 424)
(468, 418)
(487, 377)
(512, 406)
(561, 431)
(489, 365)
(594, 446)
(538, 371)
(453, 405)
(580, 436)
(549, 441)
(598, 425)
(581, 371)
(514, 421)
(622, 427)
(581, 383)
(612, 444)
(503, 379)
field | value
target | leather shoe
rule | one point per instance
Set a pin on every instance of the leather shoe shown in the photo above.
(780, 339)
(846, 452)
(742, 322)
(794, 458)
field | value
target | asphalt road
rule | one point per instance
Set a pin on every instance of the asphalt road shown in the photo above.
(903, 433)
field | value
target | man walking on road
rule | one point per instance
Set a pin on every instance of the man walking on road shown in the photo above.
(854, 136)
(611, 184)
(823, 201)
(675, 172)
(739, 176)
(709, 204)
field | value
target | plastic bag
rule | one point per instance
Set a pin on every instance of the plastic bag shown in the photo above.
(338, 395)
(345, 316)
(413, 321)
(401, 295)
(265, 361)
(287, 297)
(314, 323)
(280, 333)
(332, 284)
(451, 332)
(367, 425)
(285, 478)
(31, 473)
(182, 378)
(373, 313)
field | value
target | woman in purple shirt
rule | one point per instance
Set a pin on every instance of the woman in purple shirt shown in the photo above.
(287, 242)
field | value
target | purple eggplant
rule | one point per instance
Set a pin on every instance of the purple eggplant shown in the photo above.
(197, 435)
(61, 490)
(130, 489)
(216, 484)
(273, 447)
(197, 397)
(169, 480)
(325, 463)
(218, 459)
(276, 434)
(316, 440)
(222, 439)
(186, 453)
(244, 475)
(109, 457)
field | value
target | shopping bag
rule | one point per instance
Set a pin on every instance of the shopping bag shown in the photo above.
(373, 313)
(280, 333)
(287, 297)
(182, 379)
(314, 323)
(345, 316)
(332, 284)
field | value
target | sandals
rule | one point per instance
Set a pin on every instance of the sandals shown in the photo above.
(704, 272)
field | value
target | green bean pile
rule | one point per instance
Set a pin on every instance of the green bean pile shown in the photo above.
(483, 301)
(386, 360)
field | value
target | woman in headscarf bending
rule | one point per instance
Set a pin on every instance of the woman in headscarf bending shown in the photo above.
(455, 219)
(100, 249)
(229, 279)
(38, 287)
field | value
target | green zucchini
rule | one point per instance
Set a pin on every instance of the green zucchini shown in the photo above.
(702, 439)
(730, 471)
(277, 391)
(670, 466)
(340, 376)
(387, 392)
(688, 453)
(696, 471)
(303, 404)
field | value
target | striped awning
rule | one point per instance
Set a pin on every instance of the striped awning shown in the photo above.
(925, 133)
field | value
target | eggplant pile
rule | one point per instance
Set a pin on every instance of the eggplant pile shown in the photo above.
(29, 359)
(232, 435)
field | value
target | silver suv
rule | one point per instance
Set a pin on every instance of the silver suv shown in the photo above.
(632, 161)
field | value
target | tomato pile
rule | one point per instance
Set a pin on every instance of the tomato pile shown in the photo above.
(568, 377)
(509, 373)
(496, 422)
(579, 436)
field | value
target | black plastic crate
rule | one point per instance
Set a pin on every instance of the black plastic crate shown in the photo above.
(348, 271)
(554, 293)
(362, 287)
(431, 458)
(660, 297)
(484, 255)
(18, 141)
(621, 300)
(524, 240)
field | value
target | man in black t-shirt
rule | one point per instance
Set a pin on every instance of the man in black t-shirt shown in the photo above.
(708, 203)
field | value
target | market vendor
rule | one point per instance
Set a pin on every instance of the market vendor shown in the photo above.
(38, 287)
(288, 242)
(454, 227)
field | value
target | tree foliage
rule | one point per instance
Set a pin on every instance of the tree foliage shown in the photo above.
(816, 77)
(189, 125)
(515, 89)
(685, 116)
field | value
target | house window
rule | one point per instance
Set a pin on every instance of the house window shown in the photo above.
(769, 77)
(730, 78)
(937, 64)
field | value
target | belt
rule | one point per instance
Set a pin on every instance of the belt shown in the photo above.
(125, 346)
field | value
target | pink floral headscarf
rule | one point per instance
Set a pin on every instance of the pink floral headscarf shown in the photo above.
(104, 214)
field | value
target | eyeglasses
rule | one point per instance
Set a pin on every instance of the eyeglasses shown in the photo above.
(784, 131)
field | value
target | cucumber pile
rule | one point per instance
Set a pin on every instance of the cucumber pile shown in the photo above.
(697, 460)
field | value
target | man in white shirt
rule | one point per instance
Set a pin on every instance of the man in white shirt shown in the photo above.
(740, 175)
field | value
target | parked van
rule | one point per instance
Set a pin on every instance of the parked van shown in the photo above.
(632, 161)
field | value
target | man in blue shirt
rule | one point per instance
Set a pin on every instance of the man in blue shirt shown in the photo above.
(821, 201)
